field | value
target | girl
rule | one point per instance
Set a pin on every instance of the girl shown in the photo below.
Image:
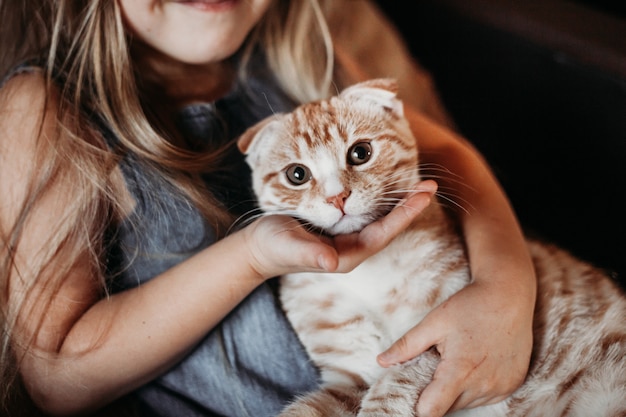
(119, 268)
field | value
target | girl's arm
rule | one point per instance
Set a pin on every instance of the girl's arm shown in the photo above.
(484, 333)
(86, 350)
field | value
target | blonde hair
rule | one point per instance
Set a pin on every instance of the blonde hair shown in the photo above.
(303, 61)
(75, 38)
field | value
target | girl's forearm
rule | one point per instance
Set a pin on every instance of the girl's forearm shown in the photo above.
(495, 242)
(128, 339)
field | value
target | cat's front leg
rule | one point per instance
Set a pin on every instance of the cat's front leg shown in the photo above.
(396, 393)
(330, 401)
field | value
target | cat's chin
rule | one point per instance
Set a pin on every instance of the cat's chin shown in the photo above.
(348, 224)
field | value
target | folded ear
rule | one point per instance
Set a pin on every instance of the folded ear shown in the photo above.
(262, 128)
(249, 143)
(379, 91)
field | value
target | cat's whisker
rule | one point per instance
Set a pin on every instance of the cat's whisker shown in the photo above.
(450, 200)
(441, 178)
(250, 216)
(441, 193)
(447, 194)
(436, 171)
(269, 105)
(297, 222)
(431, 166)
(245, 219)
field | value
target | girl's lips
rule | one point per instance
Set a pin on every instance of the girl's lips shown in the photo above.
(210, 5)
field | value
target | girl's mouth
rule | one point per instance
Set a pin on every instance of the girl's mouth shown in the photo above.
(210, 5)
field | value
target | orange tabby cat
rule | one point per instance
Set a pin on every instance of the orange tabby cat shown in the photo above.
(340, 163)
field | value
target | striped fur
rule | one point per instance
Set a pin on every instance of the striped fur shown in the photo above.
(344, 320)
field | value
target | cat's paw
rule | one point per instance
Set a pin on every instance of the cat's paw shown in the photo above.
(337, 401)
(314, 410)
(298, 410)
(396, 393)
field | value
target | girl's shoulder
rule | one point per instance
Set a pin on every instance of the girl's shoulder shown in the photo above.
(24, 75)
(23, 89)
(28, 108)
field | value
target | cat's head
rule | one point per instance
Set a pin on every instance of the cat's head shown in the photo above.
(336, 164)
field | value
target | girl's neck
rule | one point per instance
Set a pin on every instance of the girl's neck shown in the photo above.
(184, 83)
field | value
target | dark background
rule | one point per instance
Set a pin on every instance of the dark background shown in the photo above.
(540, 89)
(616, 8)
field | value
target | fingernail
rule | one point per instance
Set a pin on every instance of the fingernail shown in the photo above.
(321, 262)
(386, 359)
(427, 186)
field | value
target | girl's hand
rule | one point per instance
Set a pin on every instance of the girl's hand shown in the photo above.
(279, 244)
(484, 336)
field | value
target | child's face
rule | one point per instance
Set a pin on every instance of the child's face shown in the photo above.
(193, 31)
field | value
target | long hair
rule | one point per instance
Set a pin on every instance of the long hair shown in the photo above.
(70, 40)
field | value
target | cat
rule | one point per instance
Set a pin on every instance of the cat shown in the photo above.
(338, 164)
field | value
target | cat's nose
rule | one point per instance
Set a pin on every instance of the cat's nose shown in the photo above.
(339, 200)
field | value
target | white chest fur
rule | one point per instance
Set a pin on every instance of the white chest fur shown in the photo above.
(347, 319)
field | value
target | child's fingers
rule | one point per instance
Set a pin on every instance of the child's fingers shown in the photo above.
(442, 393)
(415, 342)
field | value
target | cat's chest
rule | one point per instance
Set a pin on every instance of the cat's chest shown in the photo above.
(367, 304)
(399, 284)
(371, 285)
(388, 270)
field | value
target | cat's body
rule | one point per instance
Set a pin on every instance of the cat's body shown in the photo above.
(326, 163)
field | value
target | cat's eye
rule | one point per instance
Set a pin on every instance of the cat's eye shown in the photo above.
(359, 153)
(298, 174)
